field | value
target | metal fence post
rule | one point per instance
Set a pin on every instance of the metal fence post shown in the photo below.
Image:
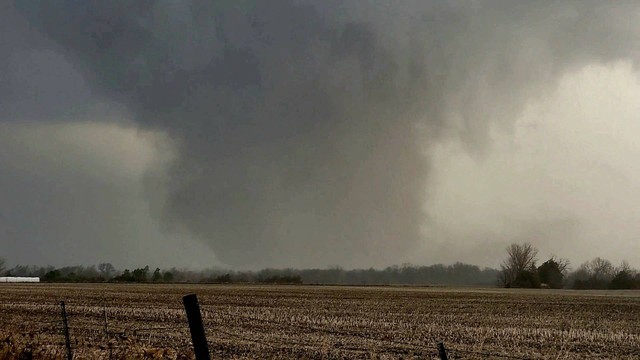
(106, 326)
(67, 340)
(200, 347)
(442, 351)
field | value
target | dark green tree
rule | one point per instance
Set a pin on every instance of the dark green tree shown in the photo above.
(140, 274)
(526, 279)
(551, 272)
(167, 276)
(623, 280)
(157, 276)
(52, 276)
(125, 276)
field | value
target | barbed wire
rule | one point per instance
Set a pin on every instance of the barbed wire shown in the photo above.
(161, 333)
(244, 338)
(416, 347)
(420, 347)
(278, 345)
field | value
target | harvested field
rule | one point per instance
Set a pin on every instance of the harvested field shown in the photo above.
(319, 322)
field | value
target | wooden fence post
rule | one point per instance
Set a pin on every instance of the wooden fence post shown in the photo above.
(442, 351)
(67, 340)
(200, 347)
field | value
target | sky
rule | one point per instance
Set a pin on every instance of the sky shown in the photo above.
(305, 134)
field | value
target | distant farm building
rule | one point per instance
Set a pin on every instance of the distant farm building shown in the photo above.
(19, 279)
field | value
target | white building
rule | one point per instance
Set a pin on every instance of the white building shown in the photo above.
(19, 279)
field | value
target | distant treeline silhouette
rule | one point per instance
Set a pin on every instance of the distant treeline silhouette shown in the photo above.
(456, 274)
(519, 270)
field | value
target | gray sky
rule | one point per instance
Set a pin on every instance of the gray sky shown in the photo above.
(253, 134)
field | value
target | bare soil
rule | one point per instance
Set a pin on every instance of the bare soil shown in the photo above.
(125, 321)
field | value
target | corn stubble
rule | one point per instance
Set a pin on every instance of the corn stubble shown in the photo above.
(118, 321)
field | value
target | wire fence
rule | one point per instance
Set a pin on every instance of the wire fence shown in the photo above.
(88, 336)
(417, 348)
(108, 335)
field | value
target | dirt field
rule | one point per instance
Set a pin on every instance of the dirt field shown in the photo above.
(148, 321)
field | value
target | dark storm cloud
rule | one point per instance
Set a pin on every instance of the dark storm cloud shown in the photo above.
(301, 127)
(37, 80)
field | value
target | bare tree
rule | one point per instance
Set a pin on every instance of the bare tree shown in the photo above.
(624, 266)
(594, 274)
(521, 257)
(106, 270)
(2, 266)
(600, 269)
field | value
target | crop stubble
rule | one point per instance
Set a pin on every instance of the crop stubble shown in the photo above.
(243, 321)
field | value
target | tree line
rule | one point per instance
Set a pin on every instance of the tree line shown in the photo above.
(408, 274)
(519, 270)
